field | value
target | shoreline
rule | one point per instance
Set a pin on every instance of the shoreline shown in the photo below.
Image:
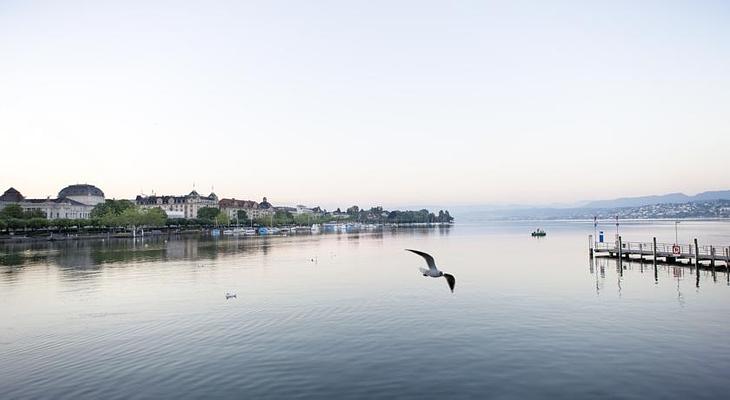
(40, 236)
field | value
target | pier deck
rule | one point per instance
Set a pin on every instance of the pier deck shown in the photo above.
(688, 254)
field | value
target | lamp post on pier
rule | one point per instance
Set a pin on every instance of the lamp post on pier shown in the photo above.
(676, 235)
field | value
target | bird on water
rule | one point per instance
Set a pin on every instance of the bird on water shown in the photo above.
(433, 271)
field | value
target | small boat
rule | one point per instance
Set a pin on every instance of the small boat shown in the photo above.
(538, 233)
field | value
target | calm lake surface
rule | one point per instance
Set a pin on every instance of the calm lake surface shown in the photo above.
(530, 318)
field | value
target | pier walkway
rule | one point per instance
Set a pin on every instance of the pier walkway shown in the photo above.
(670, 253)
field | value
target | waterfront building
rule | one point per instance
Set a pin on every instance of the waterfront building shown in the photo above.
(73, 202)
(301, 209)
(253, 209)
(186, 206)
(290, 210)
(84, 194)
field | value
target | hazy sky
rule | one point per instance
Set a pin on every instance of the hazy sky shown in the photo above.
(367, 102)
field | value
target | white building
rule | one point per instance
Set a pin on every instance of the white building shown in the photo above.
(179, 206)
(73, 202)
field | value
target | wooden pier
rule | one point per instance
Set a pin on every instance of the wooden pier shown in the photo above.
(692, 254)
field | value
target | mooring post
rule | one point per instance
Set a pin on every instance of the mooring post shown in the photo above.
(620, 256)
(689, 260)
(641, 252)
(712, 256)
(697, 258)
(653, 250)
(590, 246)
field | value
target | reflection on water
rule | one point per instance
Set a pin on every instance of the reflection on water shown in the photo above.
(149, 318)
(660, 273)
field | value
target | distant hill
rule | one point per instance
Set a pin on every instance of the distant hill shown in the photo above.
(671, 198)
(712, 204)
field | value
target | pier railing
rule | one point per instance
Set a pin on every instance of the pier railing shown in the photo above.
(668, 251)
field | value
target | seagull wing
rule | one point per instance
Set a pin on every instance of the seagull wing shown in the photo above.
(451, 280)
(429, 260)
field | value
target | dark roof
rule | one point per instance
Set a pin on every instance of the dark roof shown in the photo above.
(233, 203)
(264, 204)
(165, 199)
(80, 190)
(57, 201)
(12, 195)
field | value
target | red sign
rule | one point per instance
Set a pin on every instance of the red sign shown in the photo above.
(676, 250)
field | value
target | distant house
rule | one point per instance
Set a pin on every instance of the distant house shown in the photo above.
(73, 202)
(186, 206)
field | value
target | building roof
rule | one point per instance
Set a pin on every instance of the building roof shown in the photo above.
(80, 190)
(165, 199)
(56, 201)
(12, 195)
(233, 203)
(265, 204)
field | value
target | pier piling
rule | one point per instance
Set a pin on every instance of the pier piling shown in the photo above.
(590, 246)
(697, 257)
(620, 256)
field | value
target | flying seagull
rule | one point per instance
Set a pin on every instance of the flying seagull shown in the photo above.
(231, 296)
(434, 272)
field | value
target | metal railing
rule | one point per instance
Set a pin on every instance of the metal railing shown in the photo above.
(662, 248)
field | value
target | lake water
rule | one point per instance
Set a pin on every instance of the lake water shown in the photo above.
(529, 318)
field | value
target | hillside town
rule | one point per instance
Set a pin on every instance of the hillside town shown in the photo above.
(702, 209)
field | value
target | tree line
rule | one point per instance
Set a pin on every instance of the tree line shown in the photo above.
(379, 215)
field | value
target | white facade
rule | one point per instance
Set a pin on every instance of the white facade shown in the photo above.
(181, 206)
(67, 206)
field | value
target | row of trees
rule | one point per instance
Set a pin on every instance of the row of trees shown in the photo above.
(125, 213)
(379, 215)
(421, 216)
(110, 214)
(14, 217)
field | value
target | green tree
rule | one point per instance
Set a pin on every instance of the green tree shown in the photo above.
(242, 217)
(222, 218)
(12, 211)
(34, 214)
(207, 213)
(154, 217)
(38, 222)
(111, 207)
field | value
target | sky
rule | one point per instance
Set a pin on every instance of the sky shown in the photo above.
(366, 102)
